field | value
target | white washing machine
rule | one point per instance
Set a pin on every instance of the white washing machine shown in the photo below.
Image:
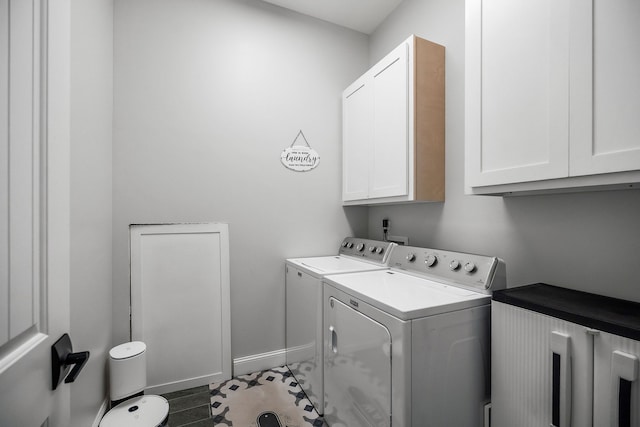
(304, 351)
(410, 346)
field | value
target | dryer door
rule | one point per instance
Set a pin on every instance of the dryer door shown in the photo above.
(357, 368)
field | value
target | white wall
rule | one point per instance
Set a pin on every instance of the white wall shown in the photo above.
(587, 241)
(207, 95)
(91, 213)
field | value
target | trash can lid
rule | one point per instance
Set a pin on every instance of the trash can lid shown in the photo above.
(141, 411)
(127, 350)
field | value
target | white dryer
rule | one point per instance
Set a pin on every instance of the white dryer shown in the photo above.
(410, 346)
(303, 283)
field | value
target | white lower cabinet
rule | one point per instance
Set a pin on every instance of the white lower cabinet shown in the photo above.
(548, 371)
(616, 385)
(522, 369)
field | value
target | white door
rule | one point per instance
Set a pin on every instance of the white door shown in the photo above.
(542, 369)
(389, 171)
(357, 135)
(517, 91)
(616, 382)
(34, 208)
(357, 367)
(605, 89)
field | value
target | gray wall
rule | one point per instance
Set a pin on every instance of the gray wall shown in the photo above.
(207, 95)
(587, 241)
(91, 219)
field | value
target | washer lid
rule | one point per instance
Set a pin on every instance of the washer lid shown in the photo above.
(405, 296)
(321, 266)
(139, 411)
(127, 350)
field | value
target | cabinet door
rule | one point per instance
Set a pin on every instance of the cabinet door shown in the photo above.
(541, 370)
(356, 142)
(517, 91)
(616, 385)
(389, 168)
(605, 94)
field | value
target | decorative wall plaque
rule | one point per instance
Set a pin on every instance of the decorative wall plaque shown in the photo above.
(300, 158)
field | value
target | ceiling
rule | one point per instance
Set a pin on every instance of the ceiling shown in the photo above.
(359, 15)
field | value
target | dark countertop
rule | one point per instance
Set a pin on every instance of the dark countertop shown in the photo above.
(616, 316)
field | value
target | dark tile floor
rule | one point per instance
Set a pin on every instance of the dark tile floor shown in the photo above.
(190, 407)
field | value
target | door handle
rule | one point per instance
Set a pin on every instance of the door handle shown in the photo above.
(560, 379)
(334, 339)
(62, 358)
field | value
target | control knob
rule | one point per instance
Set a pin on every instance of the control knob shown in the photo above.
(411, 257)
(454, 265)
(344, 244)
(379, 250)
(431, 260)
(372, 249)
(360, 247)
(350, 245)
(470, 267)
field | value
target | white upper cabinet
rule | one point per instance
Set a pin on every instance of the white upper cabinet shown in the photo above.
(357, 107)
(605, 120)
(389, 167)
(552, 95)
(393, 128)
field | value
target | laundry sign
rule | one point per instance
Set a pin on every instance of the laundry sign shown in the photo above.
(300, 158)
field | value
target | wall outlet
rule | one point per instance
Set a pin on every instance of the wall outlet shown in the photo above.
(401, 240)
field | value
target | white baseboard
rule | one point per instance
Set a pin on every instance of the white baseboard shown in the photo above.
(103, 410)
(258, 362)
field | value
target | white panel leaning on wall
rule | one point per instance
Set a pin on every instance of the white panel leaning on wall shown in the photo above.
(180, 303)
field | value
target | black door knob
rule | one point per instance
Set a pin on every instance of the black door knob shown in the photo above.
(62, 358)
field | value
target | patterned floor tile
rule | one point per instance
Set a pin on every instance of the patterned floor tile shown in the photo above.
(239, 401)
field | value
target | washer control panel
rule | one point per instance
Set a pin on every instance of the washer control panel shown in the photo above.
(478, 272)
(372, 250)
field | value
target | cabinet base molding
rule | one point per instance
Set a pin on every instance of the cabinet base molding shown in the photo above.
(614, 181)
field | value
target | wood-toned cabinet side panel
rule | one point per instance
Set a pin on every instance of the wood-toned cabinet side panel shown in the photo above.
(429, 123)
